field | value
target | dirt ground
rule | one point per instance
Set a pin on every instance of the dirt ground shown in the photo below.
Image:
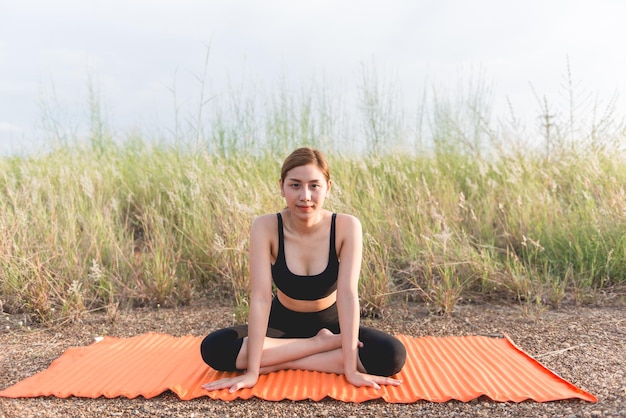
(584, 344)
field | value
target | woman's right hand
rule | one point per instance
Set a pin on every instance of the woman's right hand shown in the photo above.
(246, 380)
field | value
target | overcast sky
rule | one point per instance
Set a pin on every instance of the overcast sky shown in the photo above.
(136, 52)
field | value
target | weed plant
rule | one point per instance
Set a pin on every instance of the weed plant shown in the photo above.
(107, 224)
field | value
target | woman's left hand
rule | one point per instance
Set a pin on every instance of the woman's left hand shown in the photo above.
(246, 380)
(359, 379)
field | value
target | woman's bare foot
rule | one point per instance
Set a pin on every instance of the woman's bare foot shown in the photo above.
(324, 340)
(335, 339)
(327, 340)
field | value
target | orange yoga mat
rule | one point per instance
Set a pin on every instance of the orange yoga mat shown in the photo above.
(437, 369)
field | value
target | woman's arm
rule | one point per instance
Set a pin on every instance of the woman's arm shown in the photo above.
(260, 302)
(351, 250)
(351, 240)
(261, 291)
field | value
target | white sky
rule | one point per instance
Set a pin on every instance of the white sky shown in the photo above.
(137, 50)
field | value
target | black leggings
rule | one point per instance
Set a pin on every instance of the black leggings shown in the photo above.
(381, 354)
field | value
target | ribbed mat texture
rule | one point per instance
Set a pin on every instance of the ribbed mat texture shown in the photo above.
(437, 369)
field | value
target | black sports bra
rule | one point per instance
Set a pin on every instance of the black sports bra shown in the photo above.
(305, 287)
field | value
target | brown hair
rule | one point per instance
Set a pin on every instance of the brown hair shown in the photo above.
(305, 156)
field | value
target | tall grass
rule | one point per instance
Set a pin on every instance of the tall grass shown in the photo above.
(104, 224)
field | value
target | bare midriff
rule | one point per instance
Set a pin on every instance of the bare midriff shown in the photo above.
(299, 305)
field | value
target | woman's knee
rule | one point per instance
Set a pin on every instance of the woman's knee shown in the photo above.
(220, 348)
(382, 354)
(396, 359)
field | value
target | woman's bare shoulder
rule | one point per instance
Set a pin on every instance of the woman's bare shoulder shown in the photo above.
(265, 223)
(348, 223)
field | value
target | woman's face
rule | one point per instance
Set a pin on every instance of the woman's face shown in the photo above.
(305, 188)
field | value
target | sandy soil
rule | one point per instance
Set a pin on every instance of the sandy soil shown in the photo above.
(585, 345)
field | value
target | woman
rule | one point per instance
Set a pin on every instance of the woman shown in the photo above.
(313, 321)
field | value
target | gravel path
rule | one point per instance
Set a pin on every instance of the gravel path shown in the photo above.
(585, 345)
